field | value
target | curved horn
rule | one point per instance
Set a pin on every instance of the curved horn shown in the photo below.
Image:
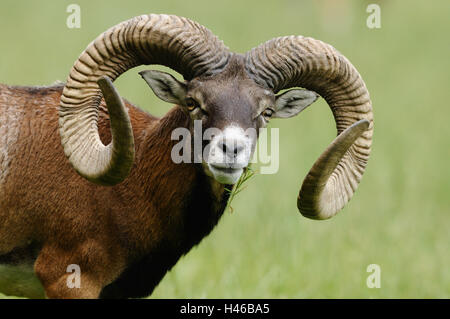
(178, 43)
(294, 61)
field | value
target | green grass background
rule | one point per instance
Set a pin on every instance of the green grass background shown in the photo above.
(400, 215)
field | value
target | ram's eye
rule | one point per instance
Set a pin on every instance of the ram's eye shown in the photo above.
(267, 113)
(191, 104)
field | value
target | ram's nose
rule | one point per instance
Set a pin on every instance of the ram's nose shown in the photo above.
(231, 147)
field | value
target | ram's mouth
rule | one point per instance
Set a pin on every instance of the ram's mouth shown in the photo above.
(226, 170)
(226, 175)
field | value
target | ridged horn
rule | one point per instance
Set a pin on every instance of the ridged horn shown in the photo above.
(297, 61)
(178, 43)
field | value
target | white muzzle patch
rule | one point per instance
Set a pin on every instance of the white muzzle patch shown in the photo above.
(229, 153)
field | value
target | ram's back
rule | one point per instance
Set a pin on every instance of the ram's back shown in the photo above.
(28, 130)
(36, 179)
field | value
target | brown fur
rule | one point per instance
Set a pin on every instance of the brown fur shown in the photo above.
(125, 237)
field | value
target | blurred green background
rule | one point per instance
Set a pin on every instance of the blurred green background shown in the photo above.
(400, 215)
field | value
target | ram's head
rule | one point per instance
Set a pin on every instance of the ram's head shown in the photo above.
(231, 108)
(226, 91)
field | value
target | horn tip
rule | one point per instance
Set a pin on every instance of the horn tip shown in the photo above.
(104, 80)
(363, 124)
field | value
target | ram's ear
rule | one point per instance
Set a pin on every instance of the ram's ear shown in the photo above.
(165, 86)
(292, 102)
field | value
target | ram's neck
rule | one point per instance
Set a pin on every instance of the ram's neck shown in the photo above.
(184, 202)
